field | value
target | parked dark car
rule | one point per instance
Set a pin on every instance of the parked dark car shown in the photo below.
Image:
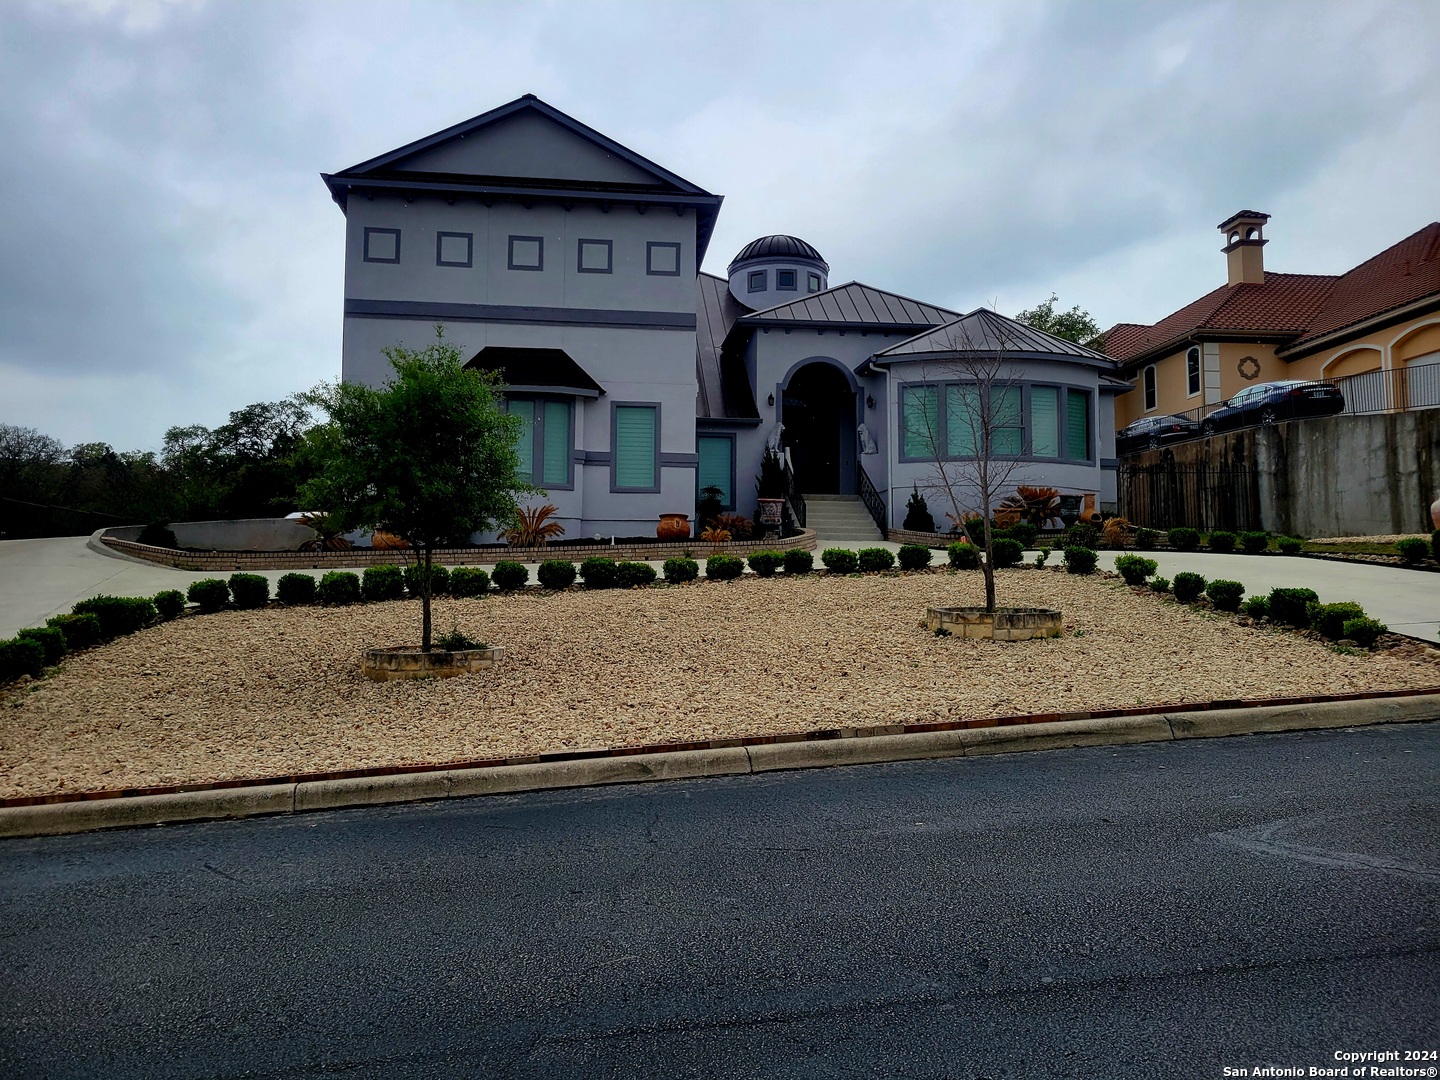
(1274, 403)
(1151, 432)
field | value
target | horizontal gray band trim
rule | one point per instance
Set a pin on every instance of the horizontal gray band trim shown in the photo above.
(703, 422)
(1109, 463)
(572, 391)
(679, 461)
(505, 313)
(594, 457)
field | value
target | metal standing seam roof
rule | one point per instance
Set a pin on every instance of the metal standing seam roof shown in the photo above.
(986, 331)
(535, 368)
(778, 246)
(724, 388)
(854, 304)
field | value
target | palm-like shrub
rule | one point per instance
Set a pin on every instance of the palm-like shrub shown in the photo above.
(1116, 533)
(533, 528)
(1036, 505)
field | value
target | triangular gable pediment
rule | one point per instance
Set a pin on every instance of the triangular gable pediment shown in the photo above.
(526, 140)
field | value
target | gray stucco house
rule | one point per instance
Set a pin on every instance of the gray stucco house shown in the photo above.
(572, 264)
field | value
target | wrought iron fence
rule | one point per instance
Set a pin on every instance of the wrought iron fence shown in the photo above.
(1169, 495)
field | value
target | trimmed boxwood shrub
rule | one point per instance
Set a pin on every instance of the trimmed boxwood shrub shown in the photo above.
(1188, 586)
(1146, 539)
(914, 557)
(962, 556)
(158, 534)
(599, 572)
(1290, 545)
(634, 575)
(20, 656)
(169, 604)
(556, 573)
(1412, 550)
(507, 575)
(51, 640)
(119, 615)
(1183, 539)
(840, 560)
(1363, 631)
(1292, 606)
(1225, 595)
(1024, 532)
(798, 561)
(81, 631)
(1160, 584)
(339, 587)
(680, 569)
(1257, 607)
(252, 590)
(1006, 552)
(439, 579)
(1082, 535)
(209, 594)
(1079, 560)
(874, 559)
(1255, 542)
(1222, 543)
(383, 582)
(469, 581)
(295, 589)
(723, 567)
(1135, 568)
(765, 563)
(1329, 619)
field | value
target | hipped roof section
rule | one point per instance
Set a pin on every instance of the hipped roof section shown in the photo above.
(988, 333)
(619, 176)
(853, 306)
(724, 388)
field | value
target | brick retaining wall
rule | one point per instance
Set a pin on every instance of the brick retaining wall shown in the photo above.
(203, 561)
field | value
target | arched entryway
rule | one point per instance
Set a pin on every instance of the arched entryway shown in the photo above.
(818, 412)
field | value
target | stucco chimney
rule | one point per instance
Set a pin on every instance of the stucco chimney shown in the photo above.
(1244, 243)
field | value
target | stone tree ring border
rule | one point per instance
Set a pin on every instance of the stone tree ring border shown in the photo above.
(1248, 367)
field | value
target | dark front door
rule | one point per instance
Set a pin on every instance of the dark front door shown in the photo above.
(819, 419)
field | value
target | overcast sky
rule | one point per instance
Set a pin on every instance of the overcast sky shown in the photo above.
(170, 253)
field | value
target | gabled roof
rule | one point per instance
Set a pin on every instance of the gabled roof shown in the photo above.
(987, 332)
(1299, 312)
(853, 305)
(528, 149)
(724, 387)
(546, 370)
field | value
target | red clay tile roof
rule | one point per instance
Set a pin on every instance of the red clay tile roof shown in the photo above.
(1300, 307)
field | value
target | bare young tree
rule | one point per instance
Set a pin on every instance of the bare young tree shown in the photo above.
(976, 449)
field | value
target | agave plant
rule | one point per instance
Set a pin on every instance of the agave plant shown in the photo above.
(713, 534)
(1037, 505)
(737, 525)
(531, 529)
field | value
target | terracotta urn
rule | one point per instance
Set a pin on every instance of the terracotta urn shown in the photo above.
(673, 527)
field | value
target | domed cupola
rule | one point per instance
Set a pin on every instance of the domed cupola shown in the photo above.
(776, 269)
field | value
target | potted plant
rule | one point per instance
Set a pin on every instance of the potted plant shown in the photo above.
(771, 488)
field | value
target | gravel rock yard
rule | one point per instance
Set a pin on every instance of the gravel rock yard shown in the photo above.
(263, 693)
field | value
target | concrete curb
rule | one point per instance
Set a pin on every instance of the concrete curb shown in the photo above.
(286, 798)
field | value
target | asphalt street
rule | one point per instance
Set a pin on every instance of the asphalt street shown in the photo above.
(1162, 910)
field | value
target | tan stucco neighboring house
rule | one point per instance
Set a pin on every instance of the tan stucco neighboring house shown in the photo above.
(1381, 316)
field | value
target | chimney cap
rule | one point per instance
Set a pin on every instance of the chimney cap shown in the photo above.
(1243, 215)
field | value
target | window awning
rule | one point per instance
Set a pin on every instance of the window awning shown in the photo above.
(536, 371)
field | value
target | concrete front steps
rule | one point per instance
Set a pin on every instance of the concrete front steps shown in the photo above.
(839, 517)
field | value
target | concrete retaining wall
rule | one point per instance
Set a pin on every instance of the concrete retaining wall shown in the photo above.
(242, 534)
(1335, 476)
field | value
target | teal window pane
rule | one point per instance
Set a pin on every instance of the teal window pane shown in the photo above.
(962, 421)
(715, 465)
(1077, 425)
(635, 447)
(1045, 421)
(920, 421)
(525, 442)
(1009, 439)
(555, 436)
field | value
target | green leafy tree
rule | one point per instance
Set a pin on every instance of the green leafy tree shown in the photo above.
(430, 456)
(1075, 325)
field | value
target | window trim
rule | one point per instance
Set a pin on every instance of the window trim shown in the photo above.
(1199, 373)
(728, 436)
(780, 285)
(365, 245)
(510, 263)
(469, 239)
(581, 268)
(537, 471)
(812, 282)
(1026, 429)
(1149, 388)
(651, 246)
(751, 276)
(615, 487)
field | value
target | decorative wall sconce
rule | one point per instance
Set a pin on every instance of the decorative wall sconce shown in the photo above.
(869, 401)
(771, 401)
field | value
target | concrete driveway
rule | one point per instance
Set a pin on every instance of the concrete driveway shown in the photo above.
(40, 578)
